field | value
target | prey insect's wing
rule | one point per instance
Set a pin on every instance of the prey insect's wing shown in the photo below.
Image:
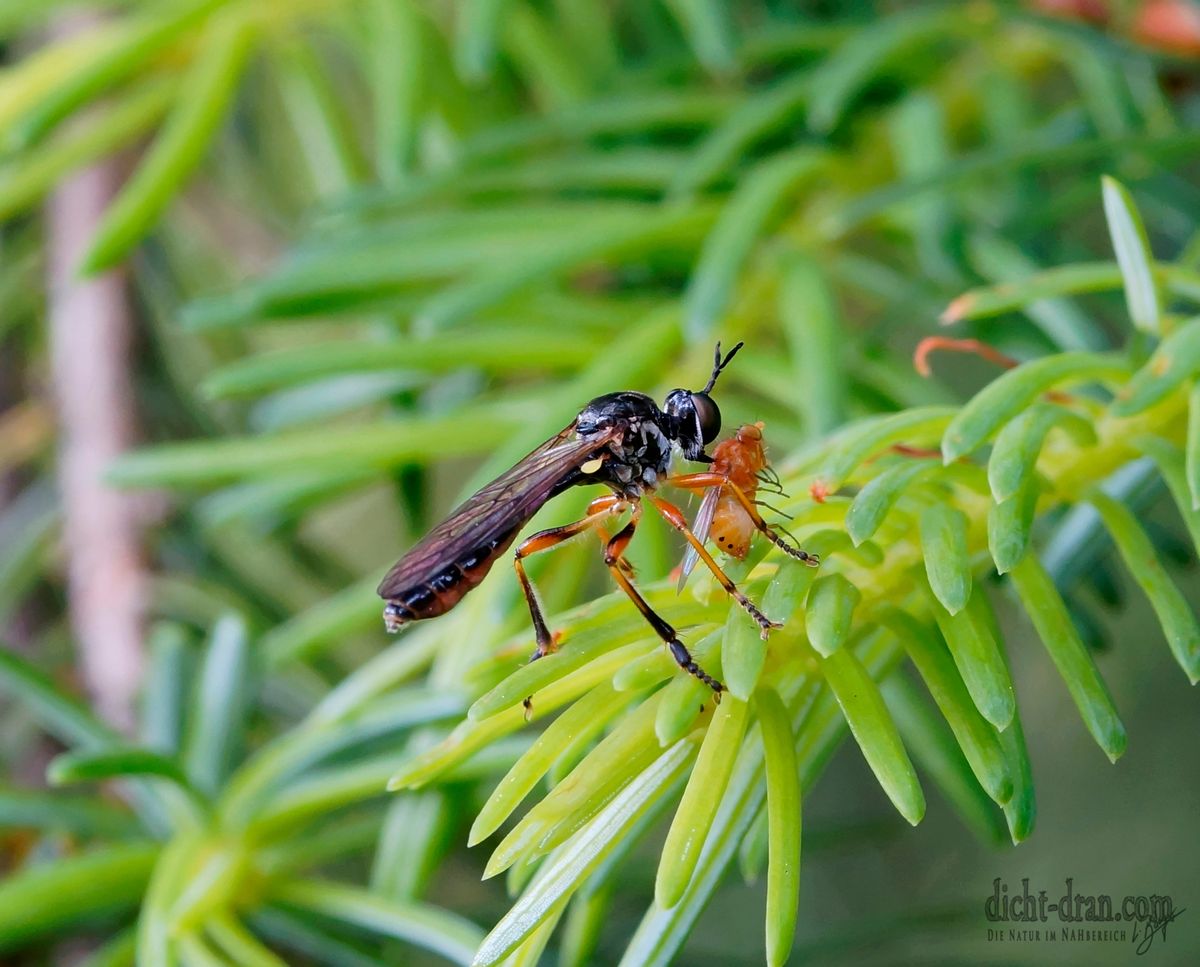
(701, 527)
(498, 510)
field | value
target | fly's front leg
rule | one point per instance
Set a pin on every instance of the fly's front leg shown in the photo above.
(674, 516)
(613, 553)
(702, 481)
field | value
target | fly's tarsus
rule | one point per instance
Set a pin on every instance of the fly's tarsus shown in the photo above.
(793, 549)
(683, 658)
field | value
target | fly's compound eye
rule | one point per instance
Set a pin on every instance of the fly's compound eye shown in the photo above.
(708, 415)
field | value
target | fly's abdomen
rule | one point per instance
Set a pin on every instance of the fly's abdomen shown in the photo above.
(437, 595)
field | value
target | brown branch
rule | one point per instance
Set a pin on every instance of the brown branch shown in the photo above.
(91, 335)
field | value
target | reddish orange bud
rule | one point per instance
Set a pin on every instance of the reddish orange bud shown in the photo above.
(1089, 11)
(1169, 25)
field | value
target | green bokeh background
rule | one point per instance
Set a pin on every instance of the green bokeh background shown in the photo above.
(375, 251)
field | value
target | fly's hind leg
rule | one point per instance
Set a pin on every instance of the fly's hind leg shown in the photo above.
(704, 480)
(613, 554)
(597, 511)
(546, 540)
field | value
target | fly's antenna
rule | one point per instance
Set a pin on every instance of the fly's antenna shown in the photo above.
(719, 364)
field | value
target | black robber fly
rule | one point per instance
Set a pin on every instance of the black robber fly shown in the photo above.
(623, 441)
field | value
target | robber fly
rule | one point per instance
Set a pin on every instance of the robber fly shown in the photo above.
(621, 440)
(743, 459)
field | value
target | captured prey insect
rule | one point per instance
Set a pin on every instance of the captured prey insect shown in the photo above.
(743, 459)
(621, 440)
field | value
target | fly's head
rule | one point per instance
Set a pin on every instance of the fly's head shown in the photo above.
(693, 417)
(694, 420)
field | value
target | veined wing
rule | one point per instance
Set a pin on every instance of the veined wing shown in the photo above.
(703, 524)
(501, 507)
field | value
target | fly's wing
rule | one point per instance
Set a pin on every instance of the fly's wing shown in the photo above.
(703, 524)
(504, 505)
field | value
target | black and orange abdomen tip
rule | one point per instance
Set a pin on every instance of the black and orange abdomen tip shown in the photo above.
(445, 589)
(395, 617)
(421, 602)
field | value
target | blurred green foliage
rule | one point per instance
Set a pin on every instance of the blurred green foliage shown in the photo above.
(379, 250)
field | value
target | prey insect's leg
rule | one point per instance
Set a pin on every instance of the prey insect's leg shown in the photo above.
(597, 510)
(674, 516)
(612, 558)
(701, 481)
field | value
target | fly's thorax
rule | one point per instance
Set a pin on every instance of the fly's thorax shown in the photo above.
(616, 409)
(640, 455)
(635, 462)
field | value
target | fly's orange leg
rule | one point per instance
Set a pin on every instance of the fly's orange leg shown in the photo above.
(702, 481)
(597, 511)
(674, 516)
(612, 558)
(623, 563)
